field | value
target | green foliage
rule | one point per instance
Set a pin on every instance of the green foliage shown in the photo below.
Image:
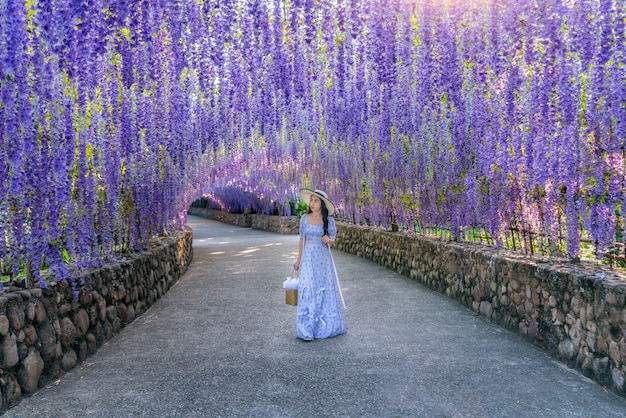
(301, 208)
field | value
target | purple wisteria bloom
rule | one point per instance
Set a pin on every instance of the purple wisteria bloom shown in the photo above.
(449, 116)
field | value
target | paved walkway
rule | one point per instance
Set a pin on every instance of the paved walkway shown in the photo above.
(221, 343)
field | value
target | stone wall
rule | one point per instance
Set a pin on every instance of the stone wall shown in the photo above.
(239, 219)
(575, 311)
(278, 224)
(45, 332)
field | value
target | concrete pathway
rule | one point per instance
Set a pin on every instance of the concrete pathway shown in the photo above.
(221, 343)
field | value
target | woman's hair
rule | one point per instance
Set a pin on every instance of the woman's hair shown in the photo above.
(324, 215)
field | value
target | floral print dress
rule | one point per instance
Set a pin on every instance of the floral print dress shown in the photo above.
(319, 312)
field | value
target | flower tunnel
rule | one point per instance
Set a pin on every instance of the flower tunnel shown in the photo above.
(455, 115)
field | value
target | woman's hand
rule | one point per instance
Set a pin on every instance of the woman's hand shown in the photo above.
(327, 240)
(296, 265)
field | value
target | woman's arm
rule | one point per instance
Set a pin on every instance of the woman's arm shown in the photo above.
(332, 232)
(296, 265)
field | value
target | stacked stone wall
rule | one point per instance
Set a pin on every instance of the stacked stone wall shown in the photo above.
(46, 332)
(278, 224)
(240, 219)
(575, 310)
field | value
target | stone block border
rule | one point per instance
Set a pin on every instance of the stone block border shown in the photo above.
(278, 224)
(576, 311)
(45, 332)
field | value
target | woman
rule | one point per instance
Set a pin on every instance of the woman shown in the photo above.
(319, 313)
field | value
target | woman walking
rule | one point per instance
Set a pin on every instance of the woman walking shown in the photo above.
(318, 313)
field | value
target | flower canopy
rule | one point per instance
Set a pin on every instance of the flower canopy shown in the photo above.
(454, 114)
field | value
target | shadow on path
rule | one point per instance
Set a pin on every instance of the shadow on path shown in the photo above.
(221, 343)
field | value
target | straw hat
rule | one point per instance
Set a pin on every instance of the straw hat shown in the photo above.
(305, 196)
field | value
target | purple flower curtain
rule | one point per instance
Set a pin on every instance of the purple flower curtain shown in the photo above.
(458, 115)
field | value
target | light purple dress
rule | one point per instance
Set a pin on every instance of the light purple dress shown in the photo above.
(319, 312)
